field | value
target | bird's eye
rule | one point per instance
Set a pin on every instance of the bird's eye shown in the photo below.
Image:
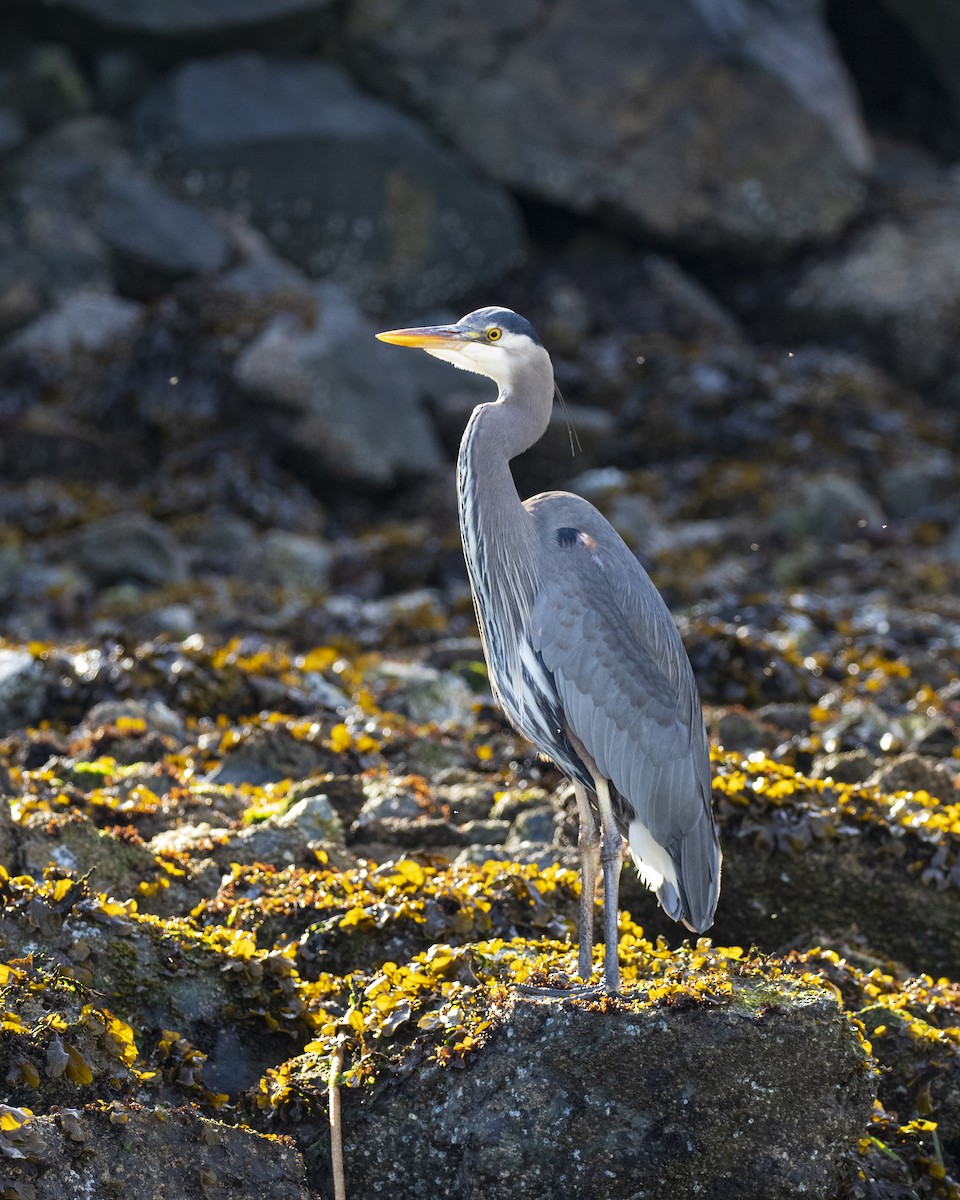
(493, 334)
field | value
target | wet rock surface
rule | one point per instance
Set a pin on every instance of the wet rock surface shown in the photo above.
(261, 822)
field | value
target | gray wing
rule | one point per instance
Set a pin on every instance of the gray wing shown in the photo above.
(628, 693)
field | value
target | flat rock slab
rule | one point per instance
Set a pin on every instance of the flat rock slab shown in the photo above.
(568, 1099)
(132, 1151)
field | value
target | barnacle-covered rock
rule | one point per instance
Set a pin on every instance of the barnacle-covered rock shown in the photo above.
(711, 1071)
(804, 854)
(90, 1151)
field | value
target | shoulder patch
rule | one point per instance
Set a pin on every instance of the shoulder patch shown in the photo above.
(568, 537)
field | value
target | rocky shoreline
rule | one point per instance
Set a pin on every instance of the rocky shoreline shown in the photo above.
(265, 825)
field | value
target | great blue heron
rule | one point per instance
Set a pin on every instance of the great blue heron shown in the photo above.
(583, 655)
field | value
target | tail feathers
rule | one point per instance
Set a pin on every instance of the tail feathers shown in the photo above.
(686, 875)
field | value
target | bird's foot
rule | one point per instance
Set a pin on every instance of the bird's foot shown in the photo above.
(572, 991)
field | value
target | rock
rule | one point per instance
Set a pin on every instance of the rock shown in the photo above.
(536, 824)
(46, 87)
(914, 773)
(292, 560)
(155, 238)
(845, 766)
(269, 755)
(189, 18)
(315, 817)
(155, 716)
(827, 506)
(13, 131)
(336, 412)
(564, 1099)
(24, 684)
(342, 185)
(425, 694)
(88, 1152)
(935, 24)
(129, 546)
(82, 326)
(721, 126)
(897, 286)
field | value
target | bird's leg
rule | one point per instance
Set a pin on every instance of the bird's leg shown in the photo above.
(611, 858)
(588, 845)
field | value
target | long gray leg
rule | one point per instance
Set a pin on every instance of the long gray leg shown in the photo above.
(611, 858)
(588, 844)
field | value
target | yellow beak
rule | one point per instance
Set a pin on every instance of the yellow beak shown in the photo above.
(434, 335)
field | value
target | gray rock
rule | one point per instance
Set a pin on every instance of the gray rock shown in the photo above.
(721, 124)
(827, 506)
(23, 689)
(156, 716)
(129, 546)
(292, 560)
(84, 324)
(538, 825)
(898, 286)
(315, 817)
(13, 131)
(346, 407)
(173, 1150)
(424, 694)
(390, 798)
(155, 237)
(182, 18)
(342, 184)
(751, 1100)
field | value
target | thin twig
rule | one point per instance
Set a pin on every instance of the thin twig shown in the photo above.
(336, 1132)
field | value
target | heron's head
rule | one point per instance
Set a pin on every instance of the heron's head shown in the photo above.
(495, 342)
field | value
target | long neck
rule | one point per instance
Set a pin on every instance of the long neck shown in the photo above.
(494, 523)
(499, 536)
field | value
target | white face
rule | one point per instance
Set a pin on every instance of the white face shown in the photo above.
(499, 359)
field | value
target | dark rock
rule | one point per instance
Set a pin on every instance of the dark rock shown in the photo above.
(84, 325)
(534, 824)
(567, 1100)
(88, 1151)
(12, 131)
(343, 185)
(827, 506)
(914, 773)
(269, 755)
(46, 87)
(721, 126)
(129, 546)
(334, 411)
(189, 18)
(935, 24)
(845, 766)
(155, 238)
(898, 287)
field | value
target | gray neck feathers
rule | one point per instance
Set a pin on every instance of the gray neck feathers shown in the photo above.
(499, 536)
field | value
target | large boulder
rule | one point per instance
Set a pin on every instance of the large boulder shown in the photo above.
(344, 406)
(762, 1098)
(342, 184)
(722, 125)
(84, 215)
(897, 286)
